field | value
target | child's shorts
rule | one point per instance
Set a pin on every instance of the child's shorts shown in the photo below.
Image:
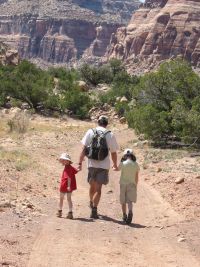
(128, 193)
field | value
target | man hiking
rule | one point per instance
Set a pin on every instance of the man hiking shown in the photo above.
(98, 143)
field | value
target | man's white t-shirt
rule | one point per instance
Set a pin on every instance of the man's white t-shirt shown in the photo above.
(112, 145)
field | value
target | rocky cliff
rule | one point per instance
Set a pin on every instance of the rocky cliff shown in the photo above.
(60, 31)
(159, 30)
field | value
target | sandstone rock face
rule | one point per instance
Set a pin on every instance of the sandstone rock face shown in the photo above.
(62, 31)
(159, 30)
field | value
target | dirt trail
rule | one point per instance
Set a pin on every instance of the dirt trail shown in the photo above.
(150, 241)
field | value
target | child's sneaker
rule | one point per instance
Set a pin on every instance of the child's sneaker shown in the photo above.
(70, 215)
(59, 213)
(124, 218)
(129, 218)
(94, 214)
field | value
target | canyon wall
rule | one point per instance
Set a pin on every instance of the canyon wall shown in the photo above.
(62, 31)
(159, 30)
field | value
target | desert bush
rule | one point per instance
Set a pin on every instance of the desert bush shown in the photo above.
(64, 74)
(27, 83)
(167, 103)
(19, 123)
(96, 75)
(123, 85)
(76, 101)
(116, 66)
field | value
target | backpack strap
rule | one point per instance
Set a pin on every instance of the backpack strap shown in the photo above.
(106, 132)
(96, 132)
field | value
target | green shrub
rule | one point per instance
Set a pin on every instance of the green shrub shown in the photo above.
(148, 120)
(167, 102)
(77, 102)
(96, 75)
(122, 108)
(116, 66)
(27, 83)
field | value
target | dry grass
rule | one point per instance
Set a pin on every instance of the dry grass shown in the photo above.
(56, 127)
(19, 159)
(19, 123)
(3, 127)
(157, 155)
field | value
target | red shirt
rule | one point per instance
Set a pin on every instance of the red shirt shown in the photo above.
(68, 177)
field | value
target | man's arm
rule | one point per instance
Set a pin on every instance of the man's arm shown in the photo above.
(81, 158)
(114, 160)
(137, 177)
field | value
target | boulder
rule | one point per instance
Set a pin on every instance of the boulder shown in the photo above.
(123, 99)
(122, 120)
(83, 86)
(179, 180)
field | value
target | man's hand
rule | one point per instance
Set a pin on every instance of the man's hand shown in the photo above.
(114, 160)
(115, 168)
(79, 167)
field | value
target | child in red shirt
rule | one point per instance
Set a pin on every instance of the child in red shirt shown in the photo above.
(67, 184)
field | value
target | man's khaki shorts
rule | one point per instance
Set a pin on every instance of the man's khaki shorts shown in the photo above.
(98, 175)
(128, 193)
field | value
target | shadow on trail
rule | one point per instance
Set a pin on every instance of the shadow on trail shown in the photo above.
(137, 225)
(83, 219)
(133, 225)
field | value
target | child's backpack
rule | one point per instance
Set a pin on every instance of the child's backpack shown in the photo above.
(98, 148)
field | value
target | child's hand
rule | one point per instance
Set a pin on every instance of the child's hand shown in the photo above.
(68, 188)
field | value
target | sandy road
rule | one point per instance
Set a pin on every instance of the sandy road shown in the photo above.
(150, 241)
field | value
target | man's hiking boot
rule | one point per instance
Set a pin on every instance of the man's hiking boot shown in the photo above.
(94, 214)
(59, 213)
(70, 215)
(91, 204)
(124, 218)
(129, 218)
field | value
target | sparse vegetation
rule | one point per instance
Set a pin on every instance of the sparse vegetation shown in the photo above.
(39, 89)
(19, 123)
(18, 159)
(163, 105)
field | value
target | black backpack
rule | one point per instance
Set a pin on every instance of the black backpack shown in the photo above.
(98, 148)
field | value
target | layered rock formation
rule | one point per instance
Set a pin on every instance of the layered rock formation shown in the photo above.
(62, 31)
(159, 30)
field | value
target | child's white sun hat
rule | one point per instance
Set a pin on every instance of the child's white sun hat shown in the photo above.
(128, 151)
(65, 156)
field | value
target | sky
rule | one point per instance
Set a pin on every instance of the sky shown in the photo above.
(142, 1)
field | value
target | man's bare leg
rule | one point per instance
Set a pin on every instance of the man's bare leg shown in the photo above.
(124, 208)
(92, 192)
(97, 195)
(124, 212)
(96, 199)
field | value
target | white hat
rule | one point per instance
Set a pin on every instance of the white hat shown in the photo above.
(128, 151)
(65, 156)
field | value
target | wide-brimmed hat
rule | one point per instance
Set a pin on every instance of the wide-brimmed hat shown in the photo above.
(65, 156)
(128, 151)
